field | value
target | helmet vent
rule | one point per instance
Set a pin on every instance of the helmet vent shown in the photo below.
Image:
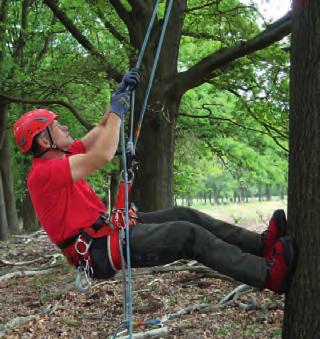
(22, 140)
(42, 119)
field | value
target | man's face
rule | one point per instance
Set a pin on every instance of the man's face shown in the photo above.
(60, 135)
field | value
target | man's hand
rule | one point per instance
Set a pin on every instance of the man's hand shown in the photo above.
(120, 103)
(131, 79)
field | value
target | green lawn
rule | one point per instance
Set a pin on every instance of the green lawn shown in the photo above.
(253, 215)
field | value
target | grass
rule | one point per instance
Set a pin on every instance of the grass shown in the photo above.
(245, 214)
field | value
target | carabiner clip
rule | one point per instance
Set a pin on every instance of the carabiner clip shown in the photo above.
(81, 246)
(83, 281)
(130, 176)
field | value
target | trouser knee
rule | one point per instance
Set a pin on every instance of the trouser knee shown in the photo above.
(184, 213)
(183, 237)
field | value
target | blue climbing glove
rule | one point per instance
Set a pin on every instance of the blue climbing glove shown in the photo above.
(131, 80)
(120, 103)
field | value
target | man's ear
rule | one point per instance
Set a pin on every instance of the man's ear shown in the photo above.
(43, 142)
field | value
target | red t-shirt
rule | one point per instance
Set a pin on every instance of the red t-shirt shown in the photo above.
(62, 206)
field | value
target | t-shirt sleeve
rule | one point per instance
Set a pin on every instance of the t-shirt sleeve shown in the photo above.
(77, 147)
(55, 175)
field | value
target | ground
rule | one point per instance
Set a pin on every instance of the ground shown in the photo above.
(48, 306)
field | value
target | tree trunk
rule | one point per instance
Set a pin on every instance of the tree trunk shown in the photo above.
(268, 192)
(29, 218)
(27, 213)
(155, 175)
(154, 183)
(302, 308)
(4, 229)
(6, 173)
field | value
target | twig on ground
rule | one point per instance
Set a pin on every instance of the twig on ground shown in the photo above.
(198, 269)
(155, 333)
(15, 322)
(30, 235)
(52, 257)
(23, 274)
(20, 263)
(234, 294)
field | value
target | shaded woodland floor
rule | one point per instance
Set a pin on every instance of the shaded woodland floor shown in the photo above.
(40, 301)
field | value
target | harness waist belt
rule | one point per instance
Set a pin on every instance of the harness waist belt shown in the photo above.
(98, 224)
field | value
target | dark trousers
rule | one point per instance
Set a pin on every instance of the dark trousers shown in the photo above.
(183, 233)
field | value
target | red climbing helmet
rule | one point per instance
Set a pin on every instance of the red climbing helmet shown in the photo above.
(31, 124)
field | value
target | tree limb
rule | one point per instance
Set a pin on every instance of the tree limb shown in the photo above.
(20, 43)
(209, 4)
(70, 107)
(266, 125)
(123, 14)
(201, 35)
(46, 43)
(203, 70)
(218, 119)
(108, 25)
(3, 18)
(84, 42)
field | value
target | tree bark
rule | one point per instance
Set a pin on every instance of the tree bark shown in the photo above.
(155, 176)
(3, 18)
(6, 173)
(302, 307)
(4, 229)
(268, 192)
(29, 218)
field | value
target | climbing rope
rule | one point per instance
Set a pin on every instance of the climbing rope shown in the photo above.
(152, 75)
(130, 147)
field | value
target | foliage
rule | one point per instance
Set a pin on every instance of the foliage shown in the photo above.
(239, 143)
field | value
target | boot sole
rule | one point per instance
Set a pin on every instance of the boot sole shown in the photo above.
(289, 254)
(281, 222)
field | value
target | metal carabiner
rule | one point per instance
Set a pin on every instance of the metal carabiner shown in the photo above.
(82, 243)
(83, 281)
(130, 176)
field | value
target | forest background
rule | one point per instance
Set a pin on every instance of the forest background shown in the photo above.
(216, 125)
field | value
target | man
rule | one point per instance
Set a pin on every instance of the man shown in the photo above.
(74, 217)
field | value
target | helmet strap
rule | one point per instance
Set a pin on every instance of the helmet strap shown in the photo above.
(53, 146)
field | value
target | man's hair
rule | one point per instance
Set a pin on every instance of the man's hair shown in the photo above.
(36, 149)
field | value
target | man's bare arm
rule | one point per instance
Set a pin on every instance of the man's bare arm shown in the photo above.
(90, 138)
(100, 152)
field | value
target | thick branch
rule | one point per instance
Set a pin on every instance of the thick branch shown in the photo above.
(3, 19)
(121, 11)
(226, 120)
(111, 28)
(84, 42)
(24, 25)
(266, 125)
(209, 4)
(201, 35)
(202, 71)
(77, 115)
(46, 43)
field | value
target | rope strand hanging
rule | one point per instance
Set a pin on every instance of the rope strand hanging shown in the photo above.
(131, 147)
